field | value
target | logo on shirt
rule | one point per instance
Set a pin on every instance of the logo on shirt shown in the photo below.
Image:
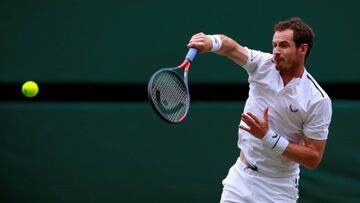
(292, 109)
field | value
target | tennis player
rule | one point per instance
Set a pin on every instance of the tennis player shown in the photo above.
(286, 116)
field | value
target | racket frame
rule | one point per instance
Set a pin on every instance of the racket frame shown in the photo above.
(186, 65)
(184, 82)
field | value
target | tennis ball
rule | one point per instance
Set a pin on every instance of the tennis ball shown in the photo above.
(30, 89)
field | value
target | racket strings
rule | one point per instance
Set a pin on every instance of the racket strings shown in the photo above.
(170, 96)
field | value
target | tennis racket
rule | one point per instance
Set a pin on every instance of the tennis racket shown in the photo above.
(168, 91)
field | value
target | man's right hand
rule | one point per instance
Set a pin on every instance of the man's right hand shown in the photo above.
(201, 42)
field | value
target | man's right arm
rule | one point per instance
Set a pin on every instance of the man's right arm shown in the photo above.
(229, 47)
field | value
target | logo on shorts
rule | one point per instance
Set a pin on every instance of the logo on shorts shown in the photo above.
(292, 109)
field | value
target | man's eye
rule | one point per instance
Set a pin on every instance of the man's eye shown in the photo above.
(283, 45)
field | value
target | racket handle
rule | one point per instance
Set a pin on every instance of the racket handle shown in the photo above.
(191, 54)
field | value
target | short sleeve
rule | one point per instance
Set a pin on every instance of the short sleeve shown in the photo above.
(317, 124)
(255, 59)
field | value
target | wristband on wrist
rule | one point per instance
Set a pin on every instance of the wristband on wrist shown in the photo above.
(215, 41)
(275, 141)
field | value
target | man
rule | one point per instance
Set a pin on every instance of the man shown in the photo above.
(286, 116)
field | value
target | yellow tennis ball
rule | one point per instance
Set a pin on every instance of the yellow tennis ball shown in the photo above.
(30, 89)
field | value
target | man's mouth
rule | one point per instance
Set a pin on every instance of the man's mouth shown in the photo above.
(277, 60)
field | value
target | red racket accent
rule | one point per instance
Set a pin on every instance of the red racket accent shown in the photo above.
(182, 118)
(186, 63)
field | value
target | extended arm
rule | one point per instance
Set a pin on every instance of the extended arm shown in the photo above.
(229, 48)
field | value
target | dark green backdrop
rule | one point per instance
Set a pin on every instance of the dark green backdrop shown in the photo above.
(117, 41)
(120, 151)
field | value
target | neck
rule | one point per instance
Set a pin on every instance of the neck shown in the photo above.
(287, 76)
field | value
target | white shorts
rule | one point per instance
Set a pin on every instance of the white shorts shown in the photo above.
(244, 184)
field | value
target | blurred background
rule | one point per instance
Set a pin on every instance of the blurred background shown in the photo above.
(91, 135)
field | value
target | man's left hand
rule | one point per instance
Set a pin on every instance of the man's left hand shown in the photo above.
(258, 127)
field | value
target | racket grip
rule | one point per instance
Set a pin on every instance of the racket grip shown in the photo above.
(191, 54)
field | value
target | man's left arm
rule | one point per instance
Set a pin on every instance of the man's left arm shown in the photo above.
(315, 132)
(308, 155)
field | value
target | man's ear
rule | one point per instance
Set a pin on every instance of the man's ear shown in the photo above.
(303, 48)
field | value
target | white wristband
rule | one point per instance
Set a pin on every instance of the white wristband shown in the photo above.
(275, 141)
(216, 42)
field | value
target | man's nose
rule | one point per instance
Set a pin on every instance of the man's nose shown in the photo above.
(276, 51)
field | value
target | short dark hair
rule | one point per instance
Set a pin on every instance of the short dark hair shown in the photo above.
(302, 32)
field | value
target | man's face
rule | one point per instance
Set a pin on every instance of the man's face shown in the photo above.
(286, 55)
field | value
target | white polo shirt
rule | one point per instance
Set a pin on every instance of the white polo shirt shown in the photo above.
(301, 106)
